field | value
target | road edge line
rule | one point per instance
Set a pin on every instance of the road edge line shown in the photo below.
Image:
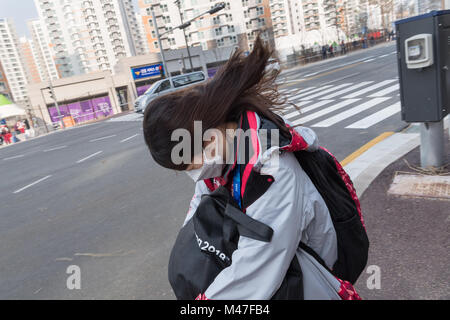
(366, 147)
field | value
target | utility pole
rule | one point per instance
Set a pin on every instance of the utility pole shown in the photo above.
(178, 4)
(166, 71)
(53, 96)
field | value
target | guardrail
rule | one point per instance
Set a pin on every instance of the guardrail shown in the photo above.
(311, 56)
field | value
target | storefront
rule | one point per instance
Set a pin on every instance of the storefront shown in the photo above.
(83, 110)
(144, 76)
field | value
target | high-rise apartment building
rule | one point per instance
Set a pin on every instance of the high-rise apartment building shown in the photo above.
(4, 86)
(12, 61)
(29, 56)
(43, 52)
(88, 35)
(235, 25)
(142, 39)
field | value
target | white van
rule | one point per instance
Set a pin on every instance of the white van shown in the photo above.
(166, 86)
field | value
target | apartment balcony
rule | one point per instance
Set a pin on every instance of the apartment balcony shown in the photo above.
(50, 21)
(47, 6)
(49, 13)
(252, 3)
(110, 14)
(113, 28)
(111, 21)
(255, 25)
(107, 6)
(87, 4)
(97, 39)
(253, 14)
(115, 35)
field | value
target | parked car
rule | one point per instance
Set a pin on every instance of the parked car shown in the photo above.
(165, 86)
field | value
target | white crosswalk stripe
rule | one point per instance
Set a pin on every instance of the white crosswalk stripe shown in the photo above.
(386, 91)
(333, 103)
(350, 112)
(302, 94)
(292, 110)
(302, 90)
(325, 111)
(370, 88)
(322, 92)
(376, 117)
(341, 92)
(315, 105)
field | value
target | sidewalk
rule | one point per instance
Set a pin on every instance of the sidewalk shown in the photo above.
(409, 235)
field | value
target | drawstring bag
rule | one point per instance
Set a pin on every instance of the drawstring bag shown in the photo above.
(205, 245)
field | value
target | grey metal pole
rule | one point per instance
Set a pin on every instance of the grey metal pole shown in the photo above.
(56, 104)
(178, 4)
(40, 109)
(166, 70)
(432, 144)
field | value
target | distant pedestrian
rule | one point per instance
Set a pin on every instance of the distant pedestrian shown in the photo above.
(330, 50)
(343, 48)
(324, 52)
(6, 134)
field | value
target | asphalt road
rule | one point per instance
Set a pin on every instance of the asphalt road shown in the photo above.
(92, 196)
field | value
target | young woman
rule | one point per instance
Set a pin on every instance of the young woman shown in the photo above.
(243, 96)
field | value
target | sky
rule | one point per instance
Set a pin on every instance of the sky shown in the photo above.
(21, 11)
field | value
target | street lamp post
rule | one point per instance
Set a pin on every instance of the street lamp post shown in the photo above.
(213, 10)
(166, 70)
(178, 4)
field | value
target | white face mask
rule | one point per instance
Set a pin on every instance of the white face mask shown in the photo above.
(211, 168)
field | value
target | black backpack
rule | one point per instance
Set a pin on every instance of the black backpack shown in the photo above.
(337, 191)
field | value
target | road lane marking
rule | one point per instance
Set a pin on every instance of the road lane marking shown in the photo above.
(88, 157)
(350, 112)
(55, 148)
(336, 67)
(371, 88)
(365, 147)
(32, 184)
(368, 60)
(126, 139)
(376, 117)
(102, 138)
(318, 94)
(341, 92)
(325, 111)
(386, 91)
(342, 78)
(15, 157)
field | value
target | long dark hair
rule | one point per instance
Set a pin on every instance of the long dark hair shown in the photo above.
(242, 84)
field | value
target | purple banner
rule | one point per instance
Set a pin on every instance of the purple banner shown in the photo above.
(83, 111)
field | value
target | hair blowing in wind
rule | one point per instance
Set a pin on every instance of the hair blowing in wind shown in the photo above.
(241, 84)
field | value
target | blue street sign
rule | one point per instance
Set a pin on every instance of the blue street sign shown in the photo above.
(147, 71)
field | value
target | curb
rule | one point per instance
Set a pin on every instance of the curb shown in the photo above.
(366, 163)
